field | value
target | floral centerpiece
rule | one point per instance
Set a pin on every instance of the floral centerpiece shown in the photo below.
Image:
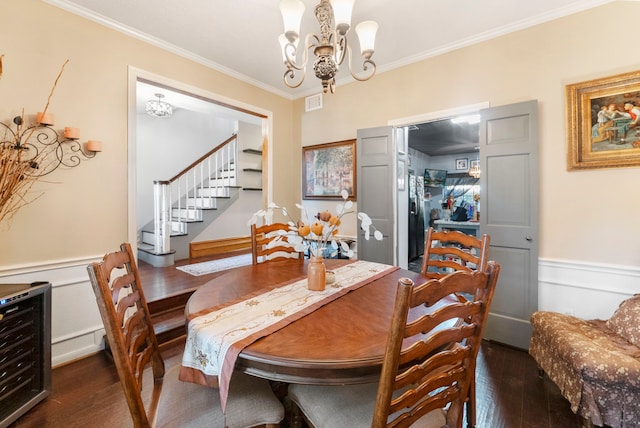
(318, 232)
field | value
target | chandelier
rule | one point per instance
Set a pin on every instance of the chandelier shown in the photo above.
(159, 108)
(330, 47)
(474, 171)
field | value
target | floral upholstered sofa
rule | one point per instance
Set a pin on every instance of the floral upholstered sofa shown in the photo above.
(595, 363)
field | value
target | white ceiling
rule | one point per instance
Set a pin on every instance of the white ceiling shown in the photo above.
(239, 37)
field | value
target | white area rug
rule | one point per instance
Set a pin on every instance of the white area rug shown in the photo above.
(212, 266)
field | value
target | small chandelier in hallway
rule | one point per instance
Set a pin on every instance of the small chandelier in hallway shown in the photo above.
(329, 47)
(159, 108)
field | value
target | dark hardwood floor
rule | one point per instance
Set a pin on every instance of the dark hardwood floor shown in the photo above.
(87, 393)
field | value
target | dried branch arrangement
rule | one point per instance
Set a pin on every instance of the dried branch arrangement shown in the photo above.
(18, 166)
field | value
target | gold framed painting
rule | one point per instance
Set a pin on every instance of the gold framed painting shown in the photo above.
(603, 122)
(328, 169)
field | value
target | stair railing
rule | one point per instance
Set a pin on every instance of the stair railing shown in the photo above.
(181, 198)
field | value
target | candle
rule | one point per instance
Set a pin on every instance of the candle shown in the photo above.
(71, 133)
(45, 118)
(94, 146)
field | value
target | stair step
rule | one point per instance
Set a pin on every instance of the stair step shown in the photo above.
(169, 325)
(219, 182)
(186, 214)
(227, 174)
(147, 236)
(167, 316)
(205, 203)
(216, 192)
(166, 303)
(252, 151)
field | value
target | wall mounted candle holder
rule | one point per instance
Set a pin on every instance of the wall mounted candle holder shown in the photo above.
(44, 148)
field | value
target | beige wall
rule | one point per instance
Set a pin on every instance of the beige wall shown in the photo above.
(585, 216)
(83, 211)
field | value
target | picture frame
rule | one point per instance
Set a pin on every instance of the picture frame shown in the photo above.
(435, 177)
(474, 163)
(329, 168)
(602, 115)
(402, 173)
(462, 163)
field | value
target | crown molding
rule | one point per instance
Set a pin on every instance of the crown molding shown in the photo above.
(131, 32)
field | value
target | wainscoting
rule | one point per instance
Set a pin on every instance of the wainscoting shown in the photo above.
(76, 326)
(583, 289)
(586, 290)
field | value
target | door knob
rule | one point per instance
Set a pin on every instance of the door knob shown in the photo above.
(528, 238)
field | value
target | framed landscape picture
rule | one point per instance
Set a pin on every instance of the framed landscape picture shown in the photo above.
(603, 122)
(435, 177)
(327, 169)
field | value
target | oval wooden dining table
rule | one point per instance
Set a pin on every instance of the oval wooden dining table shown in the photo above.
(342, 342)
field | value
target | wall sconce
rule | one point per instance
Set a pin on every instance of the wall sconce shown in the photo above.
(43, 147)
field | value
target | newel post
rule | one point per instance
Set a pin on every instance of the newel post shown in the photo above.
(161, 217)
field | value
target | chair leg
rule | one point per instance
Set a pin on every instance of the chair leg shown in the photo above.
(471, 405)
(296, 416)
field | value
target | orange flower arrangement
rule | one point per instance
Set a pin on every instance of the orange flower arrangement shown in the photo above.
(318, 232)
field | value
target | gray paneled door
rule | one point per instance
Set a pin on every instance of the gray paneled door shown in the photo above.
(509, 214)
(375, 154)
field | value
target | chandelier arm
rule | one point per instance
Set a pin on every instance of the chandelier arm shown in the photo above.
(290, 53)
(365, 66)
(290, 75)
(332, 86)
(290, 61)
(341, 46)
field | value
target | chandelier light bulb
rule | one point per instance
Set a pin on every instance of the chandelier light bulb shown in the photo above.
(292, 11)
(366, 31)
(342, 10)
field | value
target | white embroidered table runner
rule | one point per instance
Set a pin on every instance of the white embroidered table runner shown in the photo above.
(215, 339)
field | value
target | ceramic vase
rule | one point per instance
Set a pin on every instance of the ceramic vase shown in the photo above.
(316, 273)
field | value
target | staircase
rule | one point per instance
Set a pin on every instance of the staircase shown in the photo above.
(188, 203)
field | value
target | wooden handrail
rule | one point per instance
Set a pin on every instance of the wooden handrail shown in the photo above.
(203, 157)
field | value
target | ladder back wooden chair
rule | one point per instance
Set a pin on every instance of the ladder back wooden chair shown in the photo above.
(428, 366)
(125, 314)
(269, 243)
(450, 251)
